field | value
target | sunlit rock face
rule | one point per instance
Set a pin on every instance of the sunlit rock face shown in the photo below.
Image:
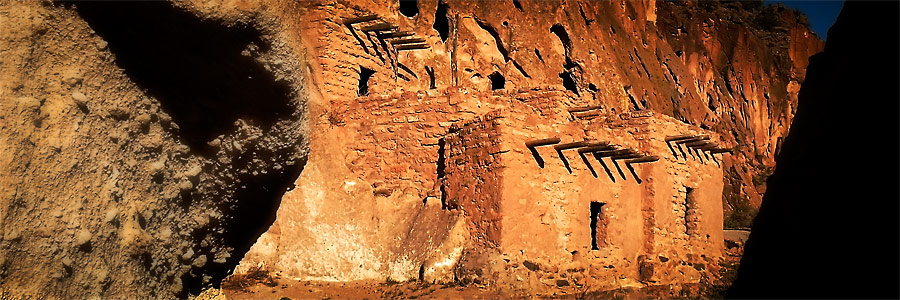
(323, 139)
(392, 86)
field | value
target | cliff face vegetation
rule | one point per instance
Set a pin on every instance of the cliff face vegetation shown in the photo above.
(146, 147)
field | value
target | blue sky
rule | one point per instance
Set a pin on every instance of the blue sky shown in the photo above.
(821, 13)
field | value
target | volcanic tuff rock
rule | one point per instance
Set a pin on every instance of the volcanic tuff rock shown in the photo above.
(155, 140)
(138, 158)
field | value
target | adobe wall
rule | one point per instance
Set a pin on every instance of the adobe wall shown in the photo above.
(371, 206)
(545, 212)
(472, 176)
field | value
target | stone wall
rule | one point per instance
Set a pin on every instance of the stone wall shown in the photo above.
(473, 180)
(648, 230)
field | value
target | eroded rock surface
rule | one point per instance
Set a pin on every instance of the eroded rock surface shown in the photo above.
(143, 148)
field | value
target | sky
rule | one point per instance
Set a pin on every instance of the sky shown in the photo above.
(821, 13)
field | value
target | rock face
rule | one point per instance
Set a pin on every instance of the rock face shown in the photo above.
(809, 202)
(392, 87)
(155, 141)
(143, 148)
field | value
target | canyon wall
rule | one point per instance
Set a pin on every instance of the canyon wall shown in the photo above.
(156, 141)
(724, 67)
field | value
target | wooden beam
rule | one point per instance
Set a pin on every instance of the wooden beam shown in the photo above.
(542, 142)
(368, 18)
(394, 35)
(567, 146)
(412, 47)
(407, 41)
(644, 159)
(379, 27)
(583, 108)
(592, 149)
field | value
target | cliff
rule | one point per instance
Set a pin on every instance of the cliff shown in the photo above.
(809, 202)
(148, 146)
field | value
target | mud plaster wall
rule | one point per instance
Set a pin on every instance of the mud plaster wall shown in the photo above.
(545, 212)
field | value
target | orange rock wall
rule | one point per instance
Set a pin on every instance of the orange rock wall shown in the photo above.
(620, 55)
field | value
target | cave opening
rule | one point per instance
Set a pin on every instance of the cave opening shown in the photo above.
(441, 21)
(197, 69)
(497, 81)
(364, 75)
(409, 8)
(563, 36)
(569, 82)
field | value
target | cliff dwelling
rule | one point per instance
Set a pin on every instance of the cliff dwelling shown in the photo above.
(599, 193)
(164, 149)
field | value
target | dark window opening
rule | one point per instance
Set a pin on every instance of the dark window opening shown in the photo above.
(689, 221)
(598, 226)
(592, 87)
(518, 5)
(569, 82)
(364, 75)
(497, 81)
(441, 22)
(634, 104)
(409, 8)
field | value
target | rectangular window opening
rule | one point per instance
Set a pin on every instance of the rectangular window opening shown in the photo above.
(598, 226)
(688, 210)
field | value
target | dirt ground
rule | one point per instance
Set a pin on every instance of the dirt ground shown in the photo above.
(359, 290)
(263, 286)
